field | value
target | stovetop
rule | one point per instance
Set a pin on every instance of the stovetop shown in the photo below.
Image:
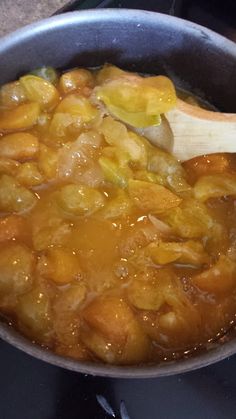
(31, 389)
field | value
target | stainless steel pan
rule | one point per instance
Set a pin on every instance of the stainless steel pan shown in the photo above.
(194, 57)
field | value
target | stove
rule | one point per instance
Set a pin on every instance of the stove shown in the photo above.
(31, 389)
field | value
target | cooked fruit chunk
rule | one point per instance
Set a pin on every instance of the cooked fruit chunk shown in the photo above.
(48, 162)
(191, 219)
(40, 91)
(34, 314)
(219, 279)
(136, 100)
(14, 197)
(28, 174)
(12, 227)
(152, 197)
(12, 94)
(76, 79)
(189, 252)
(22, 117)
(215, 186)
(80, 199)
(19, 146)
(61, 265)
(112, 333)
(16, 268)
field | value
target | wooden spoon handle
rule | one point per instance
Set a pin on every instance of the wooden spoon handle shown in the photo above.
(198, 131)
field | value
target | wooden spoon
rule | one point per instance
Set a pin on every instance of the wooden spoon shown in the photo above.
(195, 131)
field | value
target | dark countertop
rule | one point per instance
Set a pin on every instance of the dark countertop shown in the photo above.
(16, 13)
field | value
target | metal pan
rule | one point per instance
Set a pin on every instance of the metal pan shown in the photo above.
(196, 59)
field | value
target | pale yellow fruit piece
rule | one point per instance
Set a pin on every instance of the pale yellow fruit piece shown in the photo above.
(40, 91)
(189, 252)
(70, 299)
(219, 279)
(28, 174)
(8, 166)
(169, 169)
(34, 314)
(117, 135)
(76, 80)
(151, 289)
(12, 227)
(19, 146)
(120, 206)
(22, 117)
(113, 173)
(113, 333)
(12, 94)
(59, 126)
(152, 197)
(16, 268)
(170, 318)
(61, 265)
(77, 105)
(66, 322)
(110, 72)
(48, 226)
(80, 199)
(14, 197)
(215, 186)
(152, 95)
(190, 220)
(48, 236)
(48, 161)
(149, 177)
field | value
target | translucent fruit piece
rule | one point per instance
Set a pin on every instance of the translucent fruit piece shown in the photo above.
(147, 96)
(66, 307)
(8, 166)
(34, 314)
(61, 265)
(218, 279)
(12, 227)
(189, 252)
(110, 72)
(79, 106)
(48, 161)
(112, 332)
(150, 289)
(16, 268)
(113, 173)
(151, 197)
(76, 79)
(120, 206)
(40, 91)
(116, 134)
(80, 199)
(49, 235)
(208, 164)
(135, 119)
(12, 94)
(22, 117)
(170, 170)
(14, 197)
(28, 174)
(190, 220)
(215, 186)
(147, 176)
(19, 146)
